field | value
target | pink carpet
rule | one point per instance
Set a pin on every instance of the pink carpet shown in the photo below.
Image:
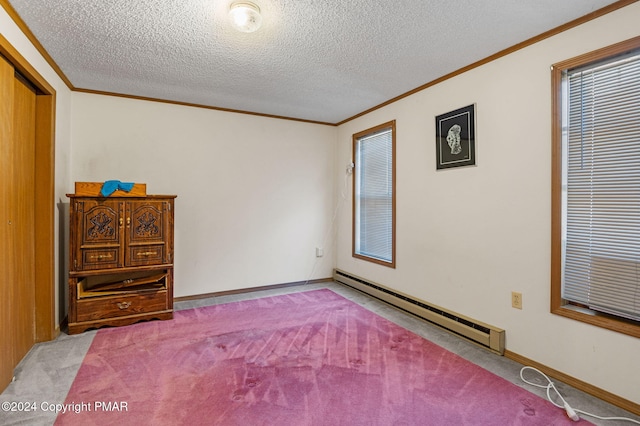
(311, 358)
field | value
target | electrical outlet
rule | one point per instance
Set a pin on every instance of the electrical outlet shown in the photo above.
(516, 300)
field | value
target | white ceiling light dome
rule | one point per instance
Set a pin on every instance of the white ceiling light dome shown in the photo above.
(245, 16)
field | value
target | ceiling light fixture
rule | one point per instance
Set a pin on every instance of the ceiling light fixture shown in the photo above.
(245, 16)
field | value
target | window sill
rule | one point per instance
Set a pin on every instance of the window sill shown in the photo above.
(628, 327)
(390, 264)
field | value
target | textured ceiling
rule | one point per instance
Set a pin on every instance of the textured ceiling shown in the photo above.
(319, 60)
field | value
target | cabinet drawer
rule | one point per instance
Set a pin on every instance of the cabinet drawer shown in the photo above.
(146, 255)
(118, 306)
(101, 258)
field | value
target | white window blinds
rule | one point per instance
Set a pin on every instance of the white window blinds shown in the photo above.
(601, 186)
(374, 196)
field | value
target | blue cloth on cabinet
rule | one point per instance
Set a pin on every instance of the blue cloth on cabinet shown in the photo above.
(110, 186)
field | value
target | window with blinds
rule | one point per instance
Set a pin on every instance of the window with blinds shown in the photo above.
(374, 194)
(601, 185)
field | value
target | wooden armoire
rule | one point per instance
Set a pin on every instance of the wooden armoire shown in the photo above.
(120, 258)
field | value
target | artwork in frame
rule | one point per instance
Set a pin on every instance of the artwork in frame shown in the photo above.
(456, 138)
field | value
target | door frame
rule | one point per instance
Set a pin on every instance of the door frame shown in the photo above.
(44, 196)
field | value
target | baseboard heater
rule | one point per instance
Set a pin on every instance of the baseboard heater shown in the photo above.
(483, 334)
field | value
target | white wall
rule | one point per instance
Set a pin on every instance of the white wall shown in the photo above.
(19, 41)
(468, 237)
(255, 194)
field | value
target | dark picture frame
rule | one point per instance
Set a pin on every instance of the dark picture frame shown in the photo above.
(456, 138)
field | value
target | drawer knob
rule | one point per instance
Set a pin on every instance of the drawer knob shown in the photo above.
(147, 253)
(123, 305)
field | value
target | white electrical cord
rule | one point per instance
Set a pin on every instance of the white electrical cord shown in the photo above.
(572, 413)
(343, 196)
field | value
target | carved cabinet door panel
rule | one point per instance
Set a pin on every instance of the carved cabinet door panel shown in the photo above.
(147, 232)
(99, 234)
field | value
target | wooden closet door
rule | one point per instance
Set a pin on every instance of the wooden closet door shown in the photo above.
(17, 220)
(23, 200)
(6, 270)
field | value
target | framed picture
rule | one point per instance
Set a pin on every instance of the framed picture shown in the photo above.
(456, 138)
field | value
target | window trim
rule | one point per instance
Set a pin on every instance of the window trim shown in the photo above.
(356, 136)
(558, 305)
